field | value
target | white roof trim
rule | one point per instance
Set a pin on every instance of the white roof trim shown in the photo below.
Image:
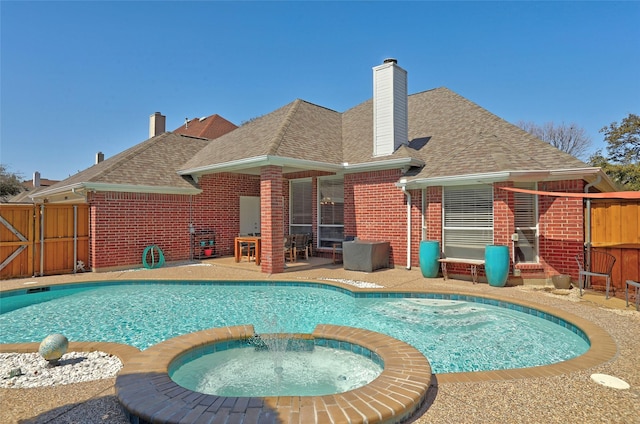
(80, 189)
(525, 175)
(382, 164)
(485, 178)
(258, 161)
(265, 160)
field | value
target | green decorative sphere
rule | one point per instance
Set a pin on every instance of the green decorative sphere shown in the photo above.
(53, 347)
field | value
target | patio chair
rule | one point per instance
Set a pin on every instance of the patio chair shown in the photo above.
(248, 250)
(289, 248)
(302, 245)
(601, 265)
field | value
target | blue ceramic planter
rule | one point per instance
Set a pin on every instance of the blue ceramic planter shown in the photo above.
(496, 264)
(429, 255)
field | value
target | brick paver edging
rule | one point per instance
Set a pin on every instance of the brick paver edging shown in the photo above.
(149, 395)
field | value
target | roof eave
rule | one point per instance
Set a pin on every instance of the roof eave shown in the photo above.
(588, 174)
(134, 188)
(57, 191)
(259, 161)
(382, 165)
(452, 180)
(79, 190)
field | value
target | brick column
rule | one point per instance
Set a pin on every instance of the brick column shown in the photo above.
(272, 224)
(433, 214)
(503, 217)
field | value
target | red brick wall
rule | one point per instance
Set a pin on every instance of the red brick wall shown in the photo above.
(561, 226)
(375, 209)
(433, 214)
(561, 222)
(123, 224)
(503, 216)
(218, 206)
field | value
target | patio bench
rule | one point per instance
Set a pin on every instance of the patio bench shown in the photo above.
(473, 263)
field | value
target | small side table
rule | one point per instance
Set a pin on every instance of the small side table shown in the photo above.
(636, 286)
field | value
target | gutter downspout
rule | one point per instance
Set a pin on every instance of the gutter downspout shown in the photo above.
(406, 193)
(588, 227)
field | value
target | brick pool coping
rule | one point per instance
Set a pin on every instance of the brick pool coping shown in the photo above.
(148, 394)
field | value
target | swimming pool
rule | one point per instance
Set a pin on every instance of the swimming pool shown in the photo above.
(457, 333)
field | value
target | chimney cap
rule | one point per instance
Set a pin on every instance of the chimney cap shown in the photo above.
(390, 60)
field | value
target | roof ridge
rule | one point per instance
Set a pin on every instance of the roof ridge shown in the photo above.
(277, 141)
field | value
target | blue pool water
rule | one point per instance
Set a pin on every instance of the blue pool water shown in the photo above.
(250, 372)
(455, 332)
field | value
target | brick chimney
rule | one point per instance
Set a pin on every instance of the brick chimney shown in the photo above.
(99, 157)
(157, 124)
(390, 108)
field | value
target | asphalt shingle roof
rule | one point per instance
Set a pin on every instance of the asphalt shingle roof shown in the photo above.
(450, 134)
(454, 136)
(299, 130)
(153, 162)
(460, 137)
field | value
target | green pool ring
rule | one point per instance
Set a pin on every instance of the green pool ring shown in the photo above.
(153, 248)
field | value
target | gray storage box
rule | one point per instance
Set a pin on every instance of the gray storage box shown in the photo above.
(364, 255)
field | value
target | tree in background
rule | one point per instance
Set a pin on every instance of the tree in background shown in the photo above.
(570, 138)
(10, 184)
(623, 147)
(623, 141)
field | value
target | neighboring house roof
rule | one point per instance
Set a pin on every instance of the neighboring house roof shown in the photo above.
(23, 196)
(29, 190)
(44, 182)
(146, 167)
(207, 127)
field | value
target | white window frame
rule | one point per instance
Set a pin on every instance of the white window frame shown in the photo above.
(530, 217)
(467, 220)
(320, 224)
(292, 199)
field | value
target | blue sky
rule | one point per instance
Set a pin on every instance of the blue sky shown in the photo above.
(82, 77)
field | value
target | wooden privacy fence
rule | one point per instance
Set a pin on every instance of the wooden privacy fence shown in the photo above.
(615, 228)
(43, 239)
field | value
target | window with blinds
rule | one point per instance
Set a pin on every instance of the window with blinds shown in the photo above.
(331, 211)
(526, 222)
(300, 206)
(467, 221)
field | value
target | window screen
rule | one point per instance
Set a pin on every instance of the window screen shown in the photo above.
(301, 207)
(331, 211)
(468, 221)
(526, 220)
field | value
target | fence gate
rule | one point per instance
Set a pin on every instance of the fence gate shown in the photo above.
(615, 228)
(43, 239)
